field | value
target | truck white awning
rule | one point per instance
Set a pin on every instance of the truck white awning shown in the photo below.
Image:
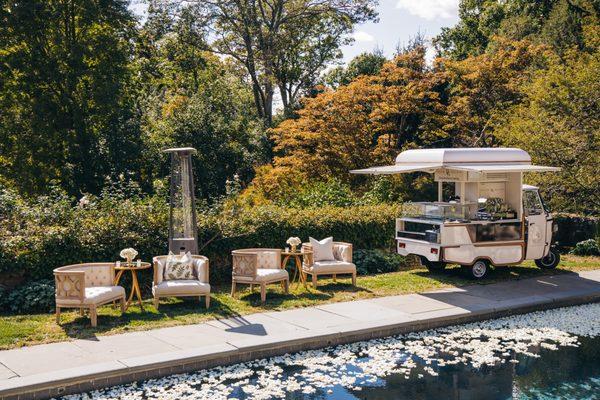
(431, 168)
(460, 159)
(397, 169)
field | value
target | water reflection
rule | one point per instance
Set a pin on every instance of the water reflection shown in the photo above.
(568, 373)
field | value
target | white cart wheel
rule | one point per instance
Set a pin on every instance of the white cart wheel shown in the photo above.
(479, 269)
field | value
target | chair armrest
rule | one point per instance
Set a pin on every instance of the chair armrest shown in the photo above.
(308, 258)
(155, 273)
(244, 264)
(201, 267)
(342, 252)
(70, 285)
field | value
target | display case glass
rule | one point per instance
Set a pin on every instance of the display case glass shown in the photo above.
(440, 211)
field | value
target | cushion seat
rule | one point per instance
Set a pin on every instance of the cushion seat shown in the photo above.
(96, 295)
(332, 267)
(181, 287)
(266, 275)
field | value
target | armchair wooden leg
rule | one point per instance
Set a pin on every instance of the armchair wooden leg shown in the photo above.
(314, 280)
(207, 300)
(354, 279)
(263, 293)
(94, 317)
(334, 278)
(58, 315)
(251, 288)
(233, 289)
(123, 305)
(81, 312)
(286, 286)
(156, 302)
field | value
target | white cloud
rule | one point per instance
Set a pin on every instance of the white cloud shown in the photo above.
(362, 36)
(430, 9)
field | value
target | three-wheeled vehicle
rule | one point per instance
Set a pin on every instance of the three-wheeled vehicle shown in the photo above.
(483, 216)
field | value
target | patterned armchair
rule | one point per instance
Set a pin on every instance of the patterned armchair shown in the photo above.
(342, 252)
(258, 267)
(87, 286)
(181, 288)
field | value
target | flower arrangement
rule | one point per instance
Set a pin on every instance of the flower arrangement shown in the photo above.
(129, 254)
(294, 242)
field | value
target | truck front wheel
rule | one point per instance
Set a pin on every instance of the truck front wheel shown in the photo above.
(550, 261)
(433, 266)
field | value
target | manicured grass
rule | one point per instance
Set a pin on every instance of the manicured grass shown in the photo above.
(22, 330)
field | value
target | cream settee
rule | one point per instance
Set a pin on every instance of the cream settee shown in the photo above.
(340, 265)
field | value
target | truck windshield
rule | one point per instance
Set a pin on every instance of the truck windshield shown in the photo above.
(532, 204)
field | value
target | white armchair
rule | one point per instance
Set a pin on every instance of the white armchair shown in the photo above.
(87, 286)
(258, 267)
(342, 265)
(181, 288)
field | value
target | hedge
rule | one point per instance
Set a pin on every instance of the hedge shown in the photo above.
(573, 229)
(63, 235)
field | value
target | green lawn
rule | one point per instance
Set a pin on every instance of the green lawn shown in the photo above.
(22, 330)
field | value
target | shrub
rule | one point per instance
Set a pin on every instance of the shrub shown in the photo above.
(37, 296)
(377, 261)
(573, 229)
(588, 247)
(321, 194)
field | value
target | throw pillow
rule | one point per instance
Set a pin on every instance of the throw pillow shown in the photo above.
(322, 249)
(179, 267)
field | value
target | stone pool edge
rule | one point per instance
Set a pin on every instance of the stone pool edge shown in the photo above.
(106, 374)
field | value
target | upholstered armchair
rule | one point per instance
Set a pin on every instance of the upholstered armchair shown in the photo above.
(258, 267)
(181, 288)
(87, 286)
(342, 265)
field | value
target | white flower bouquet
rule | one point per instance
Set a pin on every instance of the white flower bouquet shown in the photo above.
(128, 254)
(294, 242)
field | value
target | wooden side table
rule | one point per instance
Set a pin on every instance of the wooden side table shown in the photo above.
(135, 285)
(299, 275)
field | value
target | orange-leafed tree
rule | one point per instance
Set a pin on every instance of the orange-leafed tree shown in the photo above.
(483, 87)
(363, 123)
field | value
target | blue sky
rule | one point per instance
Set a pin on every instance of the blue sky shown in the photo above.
(399, 20)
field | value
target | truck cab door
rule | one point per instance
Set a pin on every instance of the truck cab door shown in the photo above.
(535, 220)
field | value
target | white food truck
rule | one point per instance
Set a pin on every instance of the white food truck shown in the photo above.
(483, 216)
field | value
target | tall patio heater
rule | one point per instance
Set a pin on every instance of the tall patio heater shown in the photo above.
(183, 231)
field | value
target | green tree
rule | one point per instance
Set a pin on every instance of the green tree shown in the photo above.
(65, 110)
(559, 24)
(190, 97)
(559, 125)
(283, 44)
(363, 64)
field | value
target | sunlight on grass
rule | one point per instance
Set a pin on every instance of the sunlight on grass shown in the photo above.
(23, 330)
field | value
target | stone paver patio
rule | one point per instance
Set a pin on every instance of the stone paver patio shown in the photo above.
(53, 369)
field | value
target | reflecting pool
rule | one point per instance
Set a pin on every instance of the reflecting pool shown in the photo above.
(543, 355)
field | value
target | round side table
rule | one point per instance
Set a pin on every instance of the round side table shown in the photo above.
(135, 285)
(299, 275)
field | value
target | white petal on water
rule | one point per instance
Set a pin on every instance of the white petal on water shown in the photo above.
(364, 363)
